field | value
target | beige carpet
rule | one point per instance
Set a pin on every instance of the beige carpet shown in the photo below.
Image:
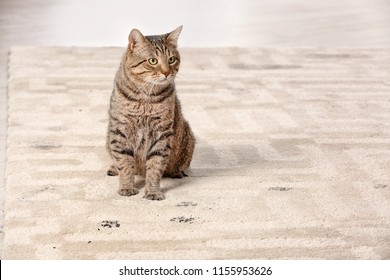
(292, 158)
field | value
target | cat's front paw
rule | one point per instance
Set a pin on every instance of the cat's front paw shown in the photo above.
(128, 192)
(154, 195)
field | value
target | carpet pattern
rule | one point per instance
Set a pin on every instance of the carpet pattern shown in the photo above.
(292, 158)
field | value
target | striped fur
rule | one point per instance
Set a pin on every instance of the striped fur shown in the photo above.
(147, 134)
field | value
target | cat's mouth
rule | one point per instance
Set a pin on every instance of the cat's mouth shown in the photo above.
(163, 80)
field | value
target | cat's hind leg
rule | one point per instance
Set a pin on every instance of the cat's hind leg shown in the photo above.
(177, 175)
(112, 171)
(181, 155)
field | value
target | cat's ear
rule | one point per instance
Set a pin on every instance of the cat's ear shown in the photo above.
(174, 35)
(135, 39)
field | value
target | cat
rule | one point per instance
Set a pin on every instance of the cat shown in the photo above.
(147, 133)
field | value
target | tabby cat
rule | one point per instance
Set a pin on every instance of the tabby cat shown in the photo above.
(147, 134)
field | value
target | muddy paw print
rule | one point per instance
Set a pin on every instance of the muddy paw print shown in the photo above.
(110, 224)
(183, 219)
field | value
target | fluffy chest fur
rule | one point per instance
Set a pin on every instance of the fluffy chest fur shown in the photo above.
(144, 122)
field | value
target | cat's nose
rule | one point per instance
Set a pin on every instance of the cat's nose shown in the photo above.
(166, 73)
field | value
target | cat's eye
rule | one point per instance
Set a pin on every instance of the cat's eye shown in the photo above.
(171, 60)
(152, 61)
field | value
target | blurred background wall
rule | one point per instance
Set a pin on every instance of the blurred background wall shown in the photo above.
(207, 23)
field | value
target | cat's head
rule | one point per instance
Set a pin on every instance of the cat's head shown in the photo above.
(153, 59)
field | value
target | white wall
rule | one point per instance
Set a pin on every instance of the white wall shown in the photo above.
(210, 23)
